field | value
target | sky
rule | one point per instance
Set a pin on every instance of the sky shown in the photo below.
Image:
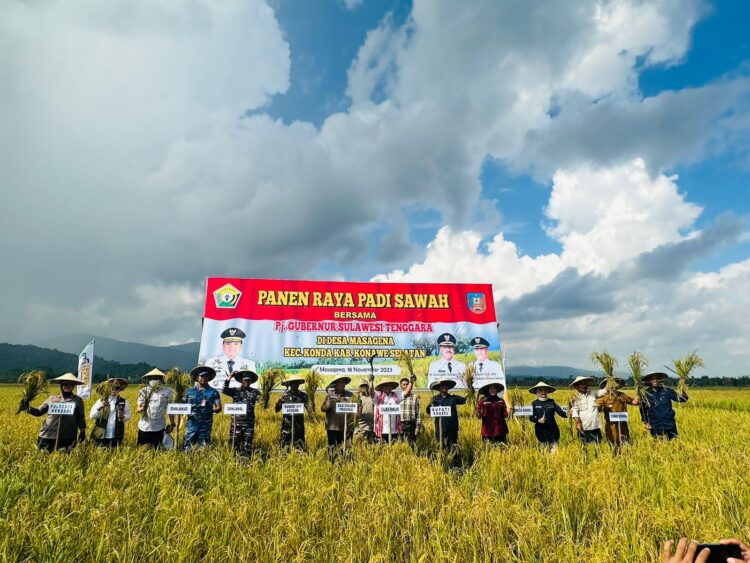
(590, 159)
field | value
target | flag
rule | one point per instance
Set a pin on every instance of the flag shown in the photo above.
(86, 370)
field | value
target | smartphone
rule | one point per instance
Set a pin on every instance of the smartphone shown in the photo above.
(719, 552)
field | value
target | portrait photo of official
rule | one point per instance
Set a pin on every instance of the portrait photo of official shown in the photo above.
(446, 366)
(231, 360)
(484, 368)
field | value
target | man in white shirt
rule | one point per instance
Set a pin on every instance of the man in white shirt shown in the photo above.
(584, 410)
(447, 367)
(231, 360)
(110, 414)
(485, 370)
(152, 406)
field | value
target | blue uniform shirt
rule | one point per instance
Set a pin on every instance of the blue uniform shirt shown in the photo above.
(202, 401)
(659, 412)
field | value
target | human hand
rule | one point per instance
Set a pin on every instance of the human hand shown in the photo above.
(542, 420)
(684, 552)
(647, 426)
(743, 548)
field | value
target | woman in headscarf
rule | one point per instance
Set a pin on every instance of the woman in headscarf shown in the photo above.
(493, 412)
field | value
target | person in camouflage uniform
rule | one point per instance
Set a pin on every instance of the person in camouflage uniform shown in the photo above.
(242, 429)
(617, 433)
(292, 395)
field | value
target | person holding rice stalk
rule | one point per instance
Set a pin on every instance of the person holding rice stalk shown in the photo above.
(543, 414)
(58, 431)
(151, 404)
(242, 429)
(337, 423)
(617, 433)
(387, 427)
(493, 412)
(205, 402)
(584, 410)
(411, 416)
(365, 414)
(657, 413)
(110, 414)
(292, 425)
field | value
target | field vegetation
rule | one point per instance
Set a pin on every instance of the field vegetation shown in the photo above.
(378, 503)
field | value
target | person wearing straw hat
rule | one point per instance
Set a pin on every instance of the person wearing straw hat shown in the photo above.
(242, 430)
(585, 411)
(110, 413)
(365, 414)
(387, 427)
(335, 422)
(447, 366)
(543, 411)
(151, 404)
(292, 425)
(446, 399)
(60, 432)
(657, 413)
(493, 412)
(205, 403)
(411, 415)
(614, 400)
(232, 341)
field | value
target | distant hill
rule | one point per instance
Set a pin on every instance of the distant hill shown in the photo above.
(17, 359)
(184, 356)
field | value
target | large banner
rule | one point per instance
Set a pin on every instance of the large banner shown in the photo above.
(448, 330)
(86, 370)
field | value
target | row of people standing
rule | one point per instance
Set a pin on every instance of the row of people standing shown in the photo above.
(112, 412)
(655, 407)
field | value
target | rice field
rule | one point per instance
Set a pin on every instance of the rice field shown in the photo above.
(380, 503)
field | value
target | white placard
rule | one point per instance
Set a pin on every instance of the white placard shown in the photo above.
(390, 409)
(179, 408)
(62, 408)
(235, 408)
(523, 410)
(618, 417)
(346, 408)
(440, 412)
(293, 408)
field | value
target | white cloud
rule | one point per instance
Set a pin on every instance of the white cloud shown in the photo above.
(606, 216)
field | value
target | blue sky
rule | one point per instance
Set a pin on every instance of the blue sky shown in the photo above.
(588, 158)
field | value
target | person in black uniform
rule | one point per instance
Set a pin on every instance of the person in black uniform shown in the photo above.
(242, 431)
(543, 414)
(445, 399)
(292, 395)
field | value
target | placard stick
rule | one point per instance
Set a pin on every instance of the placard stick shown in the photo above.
(57, 434)
(291, 446)
(440, 431)
(234, 429)
(345, 429)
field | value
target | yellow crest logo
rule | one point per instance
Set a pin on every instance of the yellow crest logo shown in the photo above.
(227, 296)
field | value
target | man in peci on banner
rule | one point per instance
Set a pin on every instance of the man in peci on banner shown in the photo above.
(447, 367)
(485, 370)
(231, 360)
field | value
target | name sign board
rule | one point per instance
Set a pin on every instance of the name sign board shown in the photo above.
(390, 409)
(62, 408)
(523, 410)
(346, 408)
(235, 408)
(293, 408)
(179, 408)
(618, 417)
(440, 412)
